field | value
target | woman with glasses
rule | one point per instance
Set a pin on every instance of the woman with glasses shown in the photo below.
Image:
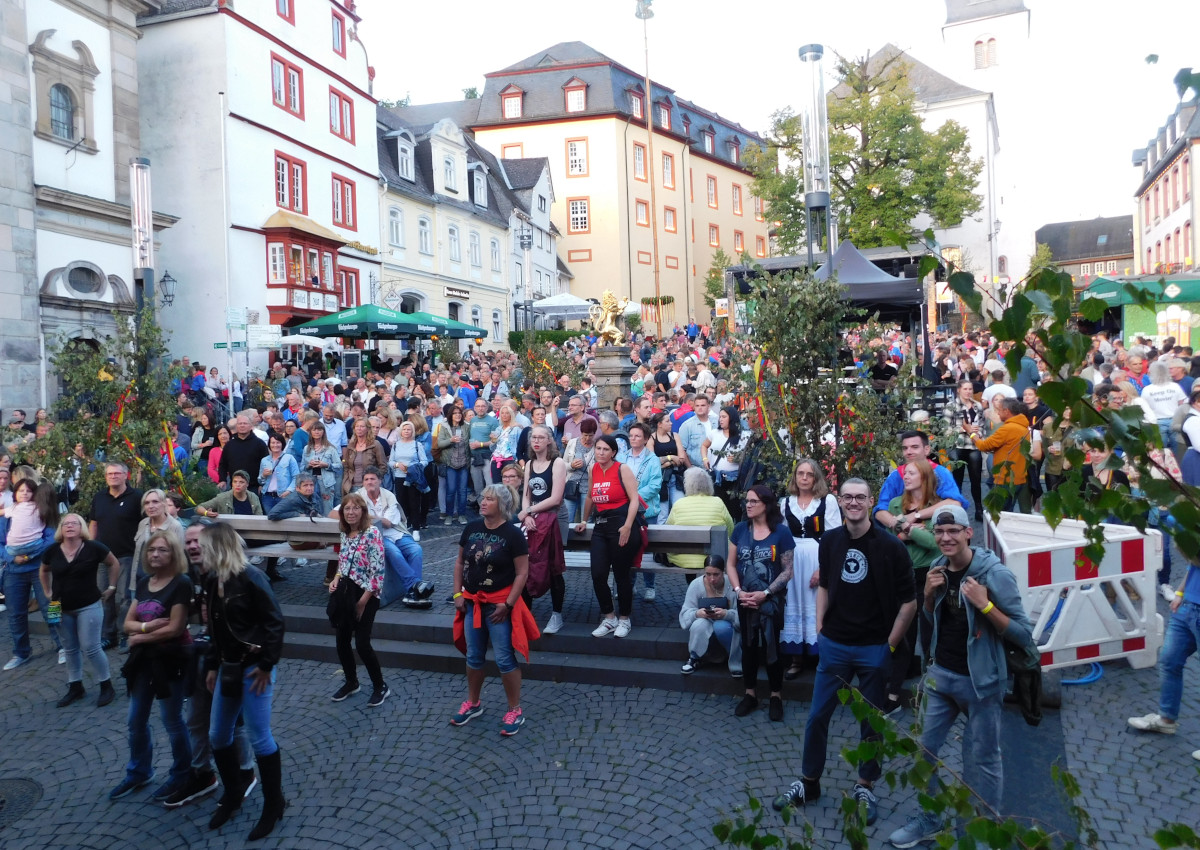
(809, 510)
(759, 568)
(966, 416)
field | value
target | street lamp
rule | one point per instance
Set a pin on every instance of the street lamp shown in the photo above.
(167, 284)
(645, 13)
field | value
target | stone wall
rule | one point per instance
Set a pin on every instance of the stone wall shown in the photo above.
(19, 354)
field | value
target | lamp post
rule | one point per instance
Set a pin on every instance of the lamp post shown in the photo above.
(645, 13)
(525, 236)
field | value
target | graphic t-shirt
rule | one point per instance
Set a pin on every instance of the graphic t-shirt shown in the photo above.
(759, 561)
(858, 618)
(951, 650)
(489, 555)
(157, 604)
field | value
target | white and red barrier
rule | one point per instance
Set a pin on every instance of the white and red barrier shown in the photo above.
(1084, 611)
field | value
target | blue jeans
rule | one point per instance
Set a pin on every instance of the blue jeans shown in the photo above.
(1181, 640)
(947, 695)
(456, 490)
(665, 505)
(477, 639)
(80, 633)
(402, 568)
(141, 748)
(269, 501)
(16, 590)
(839, 664)
(255, 710)
(703, 631)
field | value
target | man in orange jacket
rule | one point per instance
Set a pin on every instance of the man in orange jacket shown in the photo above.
(1005, 446)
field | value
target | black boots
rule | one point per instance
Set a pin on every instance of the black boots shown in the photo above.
(270, 771)
(233, 786)
(74, 692)
(107, 694)
(273, 570)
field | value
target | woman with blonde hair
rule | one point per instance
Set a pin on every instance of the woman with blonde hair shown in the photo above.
(409, 460)
(809, 510)
(387, 425)
(362, 450)
(68, 576)
(154, 518)
(246, 625)
(156, 624)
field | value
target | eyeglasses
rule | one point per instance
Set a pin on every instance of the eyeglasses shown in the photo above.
(947, 531)
(753, 501)
(854, 497)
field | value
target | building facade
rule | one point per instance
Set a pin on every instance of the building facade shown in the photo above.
(588, 115)
(446, 213)
(1164, 232)
(1092, 248)
(261, 125)
(69, 130)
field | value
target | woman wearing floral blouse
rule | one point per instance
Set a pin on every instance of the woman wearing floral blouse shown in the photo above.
(360, 566)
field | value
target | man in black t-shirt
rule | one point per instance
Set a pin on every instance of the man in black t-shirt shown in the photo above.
(113, 520)
(882, 372)
(865, 602)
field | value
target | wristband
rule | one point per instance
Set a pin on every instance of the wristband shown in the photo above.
(143, 628)
(891, 648)
(457, 595)
(987, 608)
(1179, 593)
(114, 587)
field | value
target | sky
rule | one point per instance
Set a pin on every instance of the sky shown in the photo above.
(1095, 101)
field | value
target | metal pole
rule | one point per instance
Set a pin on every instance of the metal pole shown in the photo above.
(644, 12)
(526, 237)
(225, 251)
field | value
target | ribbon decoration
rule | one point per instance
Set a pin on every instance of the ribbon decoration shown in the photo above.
(118, 418)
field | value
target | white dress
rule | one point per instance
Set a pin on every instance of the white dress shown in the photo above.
(800, 613)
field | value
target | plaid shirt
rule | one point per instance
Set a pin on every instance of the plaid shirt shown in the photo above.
(956, 412)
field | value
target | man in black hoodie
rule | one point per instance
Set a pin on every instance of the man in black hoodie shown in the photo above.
(865, 602)
(243, 451)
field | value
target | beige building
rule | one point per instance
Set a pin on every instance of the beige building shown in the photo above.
(586, 114)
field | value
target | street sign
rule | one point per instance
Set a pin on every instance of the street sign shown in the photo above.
(264, 336)
(238, 345)
(235, 317)
(220, 345)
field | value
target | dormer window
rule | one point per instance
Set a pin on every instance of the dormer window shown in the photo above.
(635, 104)
(734, 151)
(664, 116)
(480, 180)
(687, 125)
(709, 141)
(511, 102)
(449, 176)
(404, 160)
(576, 95)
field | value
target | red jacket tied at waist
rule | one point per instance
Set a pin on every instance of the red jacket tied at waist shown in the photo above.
(524, 627)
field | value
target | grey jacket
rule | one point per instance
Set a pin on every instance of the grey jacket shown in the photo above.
(985, 646)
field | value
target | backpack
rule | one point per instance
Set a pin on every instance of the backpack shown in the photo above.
(1025, 665)
(433, 444)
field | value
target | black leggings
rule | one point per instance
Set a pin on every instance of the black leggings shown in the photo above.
(902, 658)
(558, 593)
(360, 630)
(411, 502)
(974, 464)
(608, 554)
(750, 661)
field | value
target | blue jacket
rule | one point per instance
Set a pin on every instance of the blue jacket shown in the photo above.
(985, 646)
(893, 486)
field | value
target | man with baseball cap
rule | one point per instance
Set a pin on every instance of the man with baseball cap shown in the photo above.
(972, 605)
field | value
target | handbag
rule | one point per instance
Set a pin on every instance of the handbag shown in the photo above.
(480, 457)
(335, 608)
(571, 490)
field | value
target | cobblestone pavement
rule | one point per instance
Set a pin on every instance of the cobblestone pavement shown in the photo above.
(594, 767)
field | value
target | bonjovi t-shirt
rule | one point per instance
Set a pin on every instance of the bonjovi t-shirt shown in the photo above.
(489, 555)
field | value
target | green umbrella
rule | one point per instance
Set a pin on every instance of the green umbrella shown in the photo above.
(371, 321)
(461, 330)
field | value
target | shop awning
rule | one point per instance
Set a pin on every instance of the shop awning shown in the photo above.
(461, 330)
(373, 322)
(1165, 289)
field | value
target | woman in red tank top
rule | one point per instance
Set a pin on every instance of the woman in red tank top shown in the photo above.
(616, 538)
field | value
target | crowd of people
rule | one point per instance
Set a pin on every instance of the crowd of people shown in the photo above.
(855, 582)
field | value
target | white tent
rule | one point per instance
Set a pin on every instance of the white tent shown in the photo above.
(326, 344)
(563, 306)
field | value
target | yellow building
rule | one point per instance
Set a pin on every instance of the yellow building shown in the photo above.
(587, 115)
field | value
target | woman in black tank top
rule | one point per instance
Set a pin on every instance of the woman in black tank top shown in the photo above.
(666, 449)
(543, 517)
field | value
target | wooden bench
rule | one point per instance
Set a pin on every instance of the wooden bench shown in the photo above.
(281, 533)
(668, 539)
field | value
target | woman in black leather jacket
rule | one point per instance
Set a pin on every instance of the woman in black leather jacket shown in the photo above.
(246, 626)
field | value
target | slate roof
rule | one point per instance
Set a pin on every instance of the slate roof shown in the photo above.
(562, 268)
(1070, 241)
(1186, 118)
(962, 11)
(174, 7)
(542, 76)
(462, 112)
(928, 85)
(524, 173)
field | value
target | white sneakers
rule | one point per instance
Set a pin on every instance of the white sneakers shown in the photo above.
(1196, 755)
(15, 662)
(1168, 592)
(62, 656)
(649, 595)
(612, 626)
(1154, 723)
(556, 623)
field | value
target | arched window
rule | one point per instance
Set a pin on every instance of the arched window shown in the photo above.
(991, 52)
(980, 54)
(411, 303)
(497, 325)
(477, 316)
(1002, 265)
(450, 176)
(405, 161)
(396, 227)
(425, 235)
(62, 112)
(495, 255)
(455, 244)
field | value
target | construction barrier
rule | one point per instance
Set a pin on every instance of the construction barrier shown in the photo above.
(1084, 611)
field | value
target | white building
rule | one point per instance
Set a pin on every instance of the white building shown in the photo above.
(1168, 178)
(543, 271)
(261, 126)
(68, 130)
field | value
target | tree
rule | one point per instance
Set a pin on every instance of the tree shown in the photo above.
(885, 167)
(471, 93)
(714, 281)
(1040, 259)
(397, 104)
